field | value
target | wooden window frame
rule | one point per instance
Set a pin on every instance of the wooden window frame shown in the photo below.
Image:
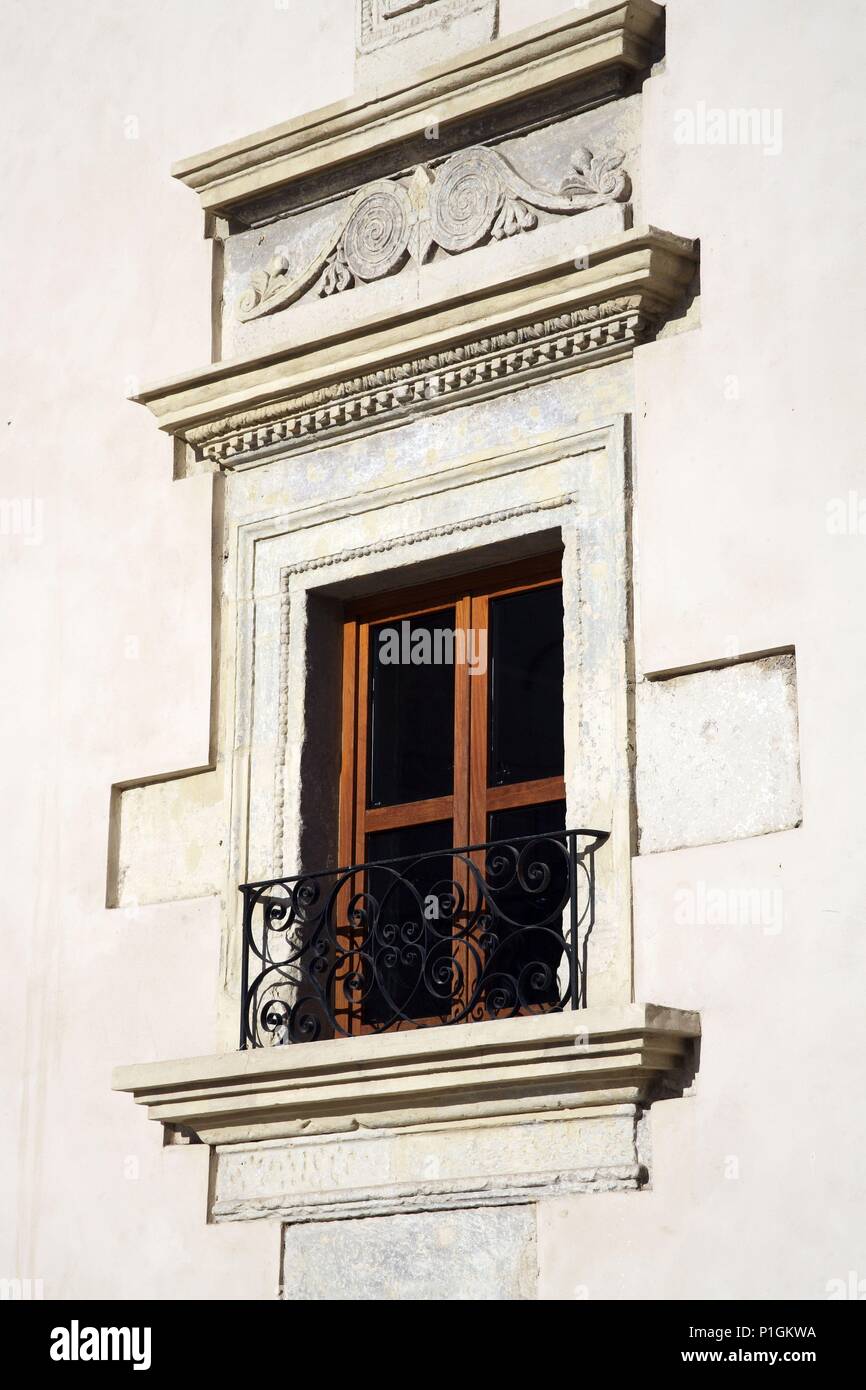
(472, 801)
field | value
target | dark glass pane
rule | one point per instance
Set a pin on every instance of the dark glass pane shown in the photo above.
(407, 947)
(411, 724)
(529, 963)
(526, 670)
(548, 818)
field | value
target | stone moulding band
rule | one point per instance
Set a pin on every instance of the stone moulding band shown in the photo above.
(613, 324)
(514, 1110)
(386, 369)
(342, 557)
(611, 1054)
(474, 523)
(449, 1195)
(473, 196)
(611, 36)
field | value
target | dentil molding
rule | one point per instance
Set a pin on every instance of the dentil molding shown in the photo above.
(561, 315)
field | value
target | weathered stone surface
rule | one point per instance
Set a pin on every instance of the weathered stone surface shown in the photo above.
(337, 262)
(429, 1167)
(604, 41)
(718, 754)
(444, 1256)
(167, 841)
(438, 1078)
(640, 275)
(395, 37)
(292, 259)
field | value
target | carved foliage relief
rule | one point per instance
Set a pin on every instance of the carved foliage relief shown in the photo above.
(474, 196)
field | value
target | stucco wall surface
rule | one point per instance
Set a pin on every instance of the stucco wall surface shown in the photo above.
(106, 610)
(747, 432)
(106, 605)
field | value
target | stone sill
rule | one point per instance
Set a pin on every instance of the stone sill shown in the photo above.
(614, 34)
(552, 1064)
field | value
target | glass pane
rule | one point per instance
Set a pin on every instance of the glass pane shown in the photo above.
(411, 747)
(548, 818)
(407, 945)
(526, 671)
(529, 964)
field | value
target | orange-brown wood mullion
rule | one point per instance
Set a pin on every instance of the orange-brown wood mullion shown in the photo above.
(462, 784)
(408, 813)
(473, 800)
(348, 780)
(362, 743)
(525, 794)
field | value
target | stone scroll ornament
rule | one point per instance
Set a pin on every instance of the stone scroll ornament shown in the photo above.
(475, 195)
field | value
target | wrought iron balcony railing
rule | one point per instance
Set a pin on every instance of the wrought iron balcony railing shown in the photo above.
(451, 936)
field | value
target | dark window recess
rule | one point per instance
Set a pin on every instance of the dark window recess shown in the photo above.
(526, 673)
(529, 905)
(546, 819)
(408, 946)
(411, 711)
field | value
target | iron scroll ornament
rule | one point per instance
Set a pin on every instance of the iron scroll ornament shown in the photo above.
(474, 195)
(450, 936)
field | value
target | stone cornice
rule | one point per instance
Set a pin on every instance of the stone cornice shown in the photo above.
(625, 35)
(603, 1056)
(555, 317)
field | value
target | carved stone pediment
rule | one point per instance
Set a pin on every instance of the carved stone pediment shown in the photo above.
(474, 196)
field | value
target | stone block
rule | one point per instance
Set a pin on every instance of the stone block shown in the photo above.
(428, 1166)
(166, 841)
(486, 1254)
(398, 37)
(718, 754)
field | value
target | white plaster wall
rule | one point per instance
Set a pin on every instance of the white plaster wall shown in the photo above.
(105, 284)
(746, 430)
(106, 648)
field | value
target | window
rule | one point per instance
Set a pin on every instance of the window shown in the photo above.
(452, 737)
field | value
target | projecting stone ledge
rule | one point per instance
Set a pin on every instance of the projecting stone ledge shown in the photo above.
(608, 37)
(480, 1114)
(560, 316)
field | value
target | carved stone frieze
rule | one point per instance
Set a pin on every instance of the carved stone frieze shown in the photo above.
(474, 196)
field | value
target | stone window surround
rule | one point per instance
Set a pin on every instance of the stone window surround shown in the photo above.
(553, 1103)
(483, 1113)
(571, 489)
